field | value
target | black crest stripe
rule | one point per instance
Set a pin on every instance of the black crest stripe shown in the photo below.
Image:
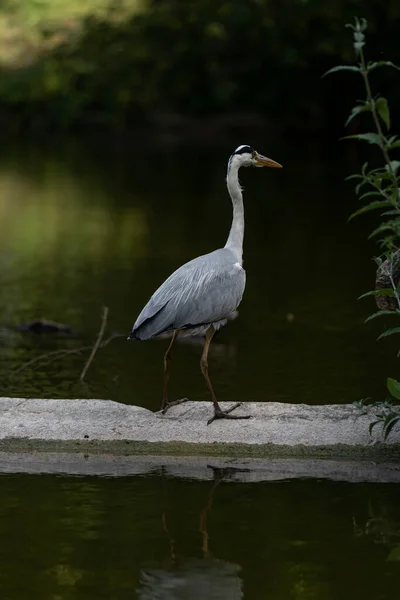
(245, 149)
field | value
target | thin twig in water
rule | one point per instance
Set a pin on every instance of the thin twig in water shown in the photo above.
(112, 337)
(96, 344)
(52, 356)
(57, 354)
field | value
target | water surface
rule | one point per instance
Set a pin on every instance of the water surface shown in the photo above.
(155, 538)
(83, 225)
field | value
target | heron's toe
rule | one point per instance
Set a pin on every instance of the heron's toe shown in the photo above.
(173, 403)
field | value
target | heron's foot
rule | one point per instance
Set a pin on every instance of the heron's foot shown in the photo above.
(174, 403)
(225, 414)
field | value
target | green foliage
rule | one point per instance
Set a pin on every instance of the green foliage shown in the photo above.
(393, 387)
(381, 292)
(124, 61)
(381, 313)
(385, 413)
(383, 184)
(388, 332)
(371, 206)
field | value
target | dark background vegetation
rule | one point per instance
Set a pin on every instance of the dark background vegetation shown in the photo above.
(67, 64)
(99, 204)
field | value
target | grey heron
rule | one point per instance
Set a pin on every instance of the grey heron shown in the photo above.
(202, 294)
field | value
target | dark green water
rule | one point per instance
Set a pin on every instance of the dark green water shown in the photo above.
(85, 225)
(167, 539)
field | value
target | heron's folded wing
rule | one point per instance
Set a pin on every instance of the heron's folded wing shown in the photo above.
(203, 290)
(144, 325)
(208, 295)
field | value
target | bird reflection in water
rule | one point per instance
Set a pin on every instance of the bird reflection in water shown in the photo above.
(193, 578)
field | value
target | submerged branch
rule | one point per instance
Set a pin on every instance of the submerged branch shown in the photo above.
(96, 344)
(57, 354)
(51, 356)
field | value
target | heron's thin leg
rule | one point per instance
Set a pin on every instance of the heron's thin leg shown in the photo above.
(204, 364)
(167, 360)
(218, 412)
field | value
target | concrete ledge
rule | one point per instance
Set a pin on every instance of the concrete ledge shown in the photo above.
(275, 430)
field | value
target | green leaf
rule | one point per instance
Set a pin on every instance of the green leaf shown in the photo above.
(379, 175)
(381, 292)
(372, 425)
(394, 387)
(371, 206)
(359, 186)
(370, 194)
(341, 68)
(381, 313)
(360, 24)
(389, 423)
(390, 226)
(381, 63)
(395, 164)
(371, 138)
(389, 332)
(355, 176)
(362, 404)
(364, 169)
(356, 110)
(393, 142)
(383, 110)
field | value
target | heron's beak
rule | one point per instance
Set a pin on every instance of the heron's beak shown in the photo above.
(263, 161)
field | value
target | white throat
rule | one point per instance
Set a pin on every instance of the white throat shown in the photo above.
(236, 234)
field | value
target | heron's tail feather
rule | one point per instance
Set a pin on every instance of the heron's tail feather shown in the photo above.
(153, 320)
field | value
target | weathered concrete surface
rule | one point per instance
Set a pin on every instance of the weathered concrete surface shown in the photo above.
(275, 430)
(201, 468)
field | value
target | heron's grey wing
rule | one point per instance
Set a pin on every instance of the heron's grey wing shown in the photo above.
(144, 325)
(203, 290)
(212, 294)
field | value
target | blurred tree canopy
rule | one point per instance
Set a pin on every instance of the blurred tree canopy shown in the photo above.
(70, 63)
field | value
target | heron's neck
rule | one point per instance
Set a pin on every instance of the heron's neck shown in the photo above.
(236, 234)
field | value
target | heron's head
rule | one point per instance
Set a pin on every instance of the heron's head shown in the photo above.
(246, 156)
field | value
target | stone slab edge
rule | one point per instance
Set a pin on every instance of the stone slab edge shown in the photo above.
(276, 430)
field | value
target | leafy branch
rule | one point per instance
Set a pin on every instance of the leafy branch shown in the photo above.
(380, 187)
(383, 182)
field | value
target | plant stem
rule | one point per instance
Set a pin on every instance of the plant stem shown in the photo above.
(396, 293)
(375, 116)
